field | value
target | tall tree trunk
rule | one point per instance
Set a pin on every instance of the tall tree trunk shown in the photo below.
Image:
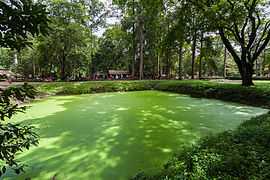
(257, 68)
(193, 53)
(168, 64)
(158, 65)
(15, 58)
(90, 73)
(134, 42)
(34, 69)
(246, 71)
(50, 69)
(141, 47)
(133, 56)
(269, 70)
(63, 68)
(263, 63)
(180, 59)
(201, 55)
(225, 63)
(245, 66)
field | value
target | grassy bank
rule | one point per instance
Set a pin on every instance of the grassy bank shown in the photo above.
(258, 95)
(75, 88)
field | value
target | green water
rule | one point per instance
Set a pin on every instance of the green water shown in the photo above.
(115, 135)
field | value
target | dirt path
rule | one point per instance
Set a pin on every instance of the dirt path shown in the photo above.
(5, 84)
(226, 81)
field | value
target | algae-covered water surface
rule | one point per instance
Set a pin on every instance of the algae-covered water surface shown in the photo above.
(116, 135)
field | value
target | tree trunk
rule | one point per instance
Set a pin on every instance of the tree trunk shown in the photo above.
(90, 60)
(247, 79)
(269, 70)
(141, 48)
(133, 58)
(263, 64)
(34, 69)
(134, 43)
(193, 53)
(245, 67)
(63, 68)
(180, 58)
(257, 68)
(158, 65)
(168, 64)
(225, 63)
(15, 58)
(201, 55)
(50, 69)
(246, 71)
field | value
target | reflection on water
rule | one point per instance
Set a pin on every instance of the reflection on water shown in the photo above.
(116, 135)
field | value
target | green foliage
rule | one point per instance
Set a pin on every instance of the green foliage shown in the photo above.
(239, 154)
(112, 51)
(66, 51)
(14, 138)
(20, 19)
(5, 58)
(258, 95)
(7, 96)
(242, 24)
(93, 87)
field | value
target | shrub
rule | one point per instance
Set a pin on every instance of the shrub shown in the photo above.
(14, 138)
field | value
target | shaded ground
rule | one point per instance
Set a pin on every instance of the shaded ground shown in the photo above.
(115, 135)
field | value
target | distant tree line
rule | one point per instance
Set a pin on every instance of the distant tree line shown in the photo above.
(155, 39)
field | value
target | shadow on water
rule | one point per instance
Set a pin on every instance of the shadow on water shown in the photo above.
(115, 135)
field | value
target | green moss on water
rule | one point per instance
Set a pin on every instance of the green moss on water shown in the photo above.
(116, 135)
(242, 153)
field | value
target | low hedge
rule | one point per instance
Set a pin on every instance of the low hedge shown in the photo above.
(75, 88)
(258, 95)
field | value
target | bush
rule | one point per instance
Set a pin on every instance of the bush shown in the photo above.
(14, 138)
(94, 87)
(258, 95)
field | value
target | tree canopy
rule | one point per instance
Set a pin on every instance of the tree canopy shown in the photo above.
(184, 39)
(18, 20)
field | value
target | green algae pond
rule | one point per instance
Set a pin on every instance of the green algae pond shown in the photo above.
(116, 135)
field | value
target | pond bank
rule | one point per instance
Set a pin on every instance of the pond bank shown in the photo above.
(258, 95)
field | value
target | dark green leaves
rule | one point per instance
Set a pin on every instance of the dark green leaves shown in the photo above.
(19, 20)
(14, 138)
(18, 94)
